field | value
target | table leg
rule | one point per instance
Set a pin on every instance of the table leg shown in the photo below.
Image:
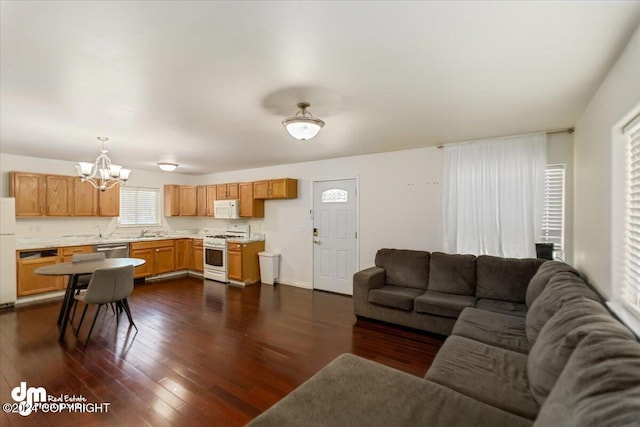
(66, 304)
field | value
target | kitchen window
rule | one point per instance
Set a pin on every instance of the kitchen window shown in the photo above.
(139, 206)
(552, 230)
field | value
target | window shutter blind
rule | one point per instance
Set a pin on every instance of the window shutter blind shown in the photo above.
(139, 206)
(552, 230)
(631, 281)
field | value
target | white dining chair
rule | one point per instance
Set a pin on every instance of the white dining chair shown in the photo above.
(108, 285)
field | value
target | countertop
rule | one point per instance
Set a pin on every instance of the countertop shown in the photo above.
(27, 243)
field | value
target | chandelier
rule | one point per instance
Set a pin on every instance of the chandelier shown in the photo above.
(102, 174)
(303, 125)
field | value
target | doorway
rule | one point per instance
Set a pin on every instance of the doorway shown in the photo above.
(335, 240)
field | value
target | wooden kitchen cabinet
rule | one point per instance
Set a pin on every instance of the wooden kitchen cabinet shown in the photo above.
(221, 192)
(159, 256)
(69, 251)
(249, 206)
(171, 200)
(188, 200)
(201, 200)
(42, 195)
(184, 254)
(211, 197)
(283, 188)
(85, 198)
(180, 200)
(59, 195)
(89, 201)
(232, 191)
(29, 190)
(29, 283)
(243, 265)
(109, 201)
(198, 255)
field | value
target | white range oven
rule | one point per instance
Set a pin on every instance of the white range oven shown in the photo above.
(215, 251)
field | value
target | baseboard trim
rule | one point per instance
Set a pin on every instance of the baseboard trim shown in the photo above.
(295, 283)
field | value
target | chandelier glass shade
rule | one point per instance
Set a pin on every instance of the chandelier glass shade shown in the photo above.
(102, 174)
(303, 125)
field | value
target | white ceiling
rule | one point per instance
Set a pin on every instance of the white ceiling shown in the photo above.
(206, 84)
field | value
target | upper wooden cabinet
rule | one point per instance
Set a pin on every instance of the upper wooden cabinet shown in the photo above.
(211, 196)
(109, 202)
(227, 191)
(42, 195)
(85, 198)
(180, 200)
(59, 195)
(249, 206)
(284, 188)
(89, 201)
(201, 200)
(30, 192)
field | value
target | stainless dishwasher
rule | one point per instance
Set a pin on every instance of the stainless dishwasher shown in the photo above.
(113, 250)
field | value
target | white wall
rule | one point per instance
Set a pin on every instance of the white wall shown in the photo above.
(594, 144)
(48, 226)
(399, 206)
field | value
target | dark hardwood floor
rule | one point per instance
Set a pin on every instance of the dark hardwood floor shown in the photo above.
(205, 353)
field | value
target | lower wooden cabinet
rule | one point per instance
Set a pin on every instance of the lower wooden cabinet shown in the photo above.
(184, 254)
(159, 256)
(198, 256)
(30, 283)
(243, 265)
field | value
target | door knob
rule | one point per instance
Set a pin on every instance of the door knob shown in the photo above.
(317, 242)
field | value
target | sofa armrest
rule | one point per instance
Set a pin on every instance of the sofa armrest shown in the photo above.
(369, 278)
(363, 281)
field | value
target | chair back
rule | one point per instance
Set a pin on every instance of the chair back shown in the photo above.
(110, 285)
(95, 256)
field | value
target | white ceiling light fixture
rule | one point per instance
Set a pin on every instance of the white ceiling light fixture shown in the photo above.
(102, 174)
(167, 167)
(303, 125)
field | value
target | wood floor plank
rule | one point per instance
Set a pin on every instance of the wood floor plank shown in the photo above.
(205, 353)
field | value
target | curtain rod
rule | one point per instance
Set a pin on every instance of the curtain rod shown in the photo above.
(548, 132)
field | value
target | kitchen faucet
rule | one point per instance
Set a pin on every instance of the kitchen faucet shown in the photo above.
(144, 232)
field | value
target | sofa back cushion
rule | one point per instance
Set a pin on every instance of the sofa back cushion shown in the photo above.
(452, 273)
(404, 267)
(599, 386)
(505, 278)
(560, 336)
(541, 279)
(562, 287)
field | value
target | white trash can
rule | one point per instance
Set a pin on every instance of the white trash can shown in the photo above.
(269, 267)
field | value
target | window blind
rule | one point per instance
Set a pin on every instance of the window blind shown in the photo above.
(631, 278)
(139, 206)
(552, 230)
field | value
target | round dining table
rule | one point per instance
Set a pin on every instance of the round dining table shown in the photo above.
(74, 270)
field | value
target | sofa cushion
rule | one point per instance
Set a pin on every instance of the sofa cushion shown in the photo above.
(492, 375)
(352, 391)
(453, 274)
(497, 329)
(504, 307)
(443, 304)
(394, 296)
(562, 287)
(559, 337)
(505, 278)
(540, 280)
(404, 267)
(599, 386)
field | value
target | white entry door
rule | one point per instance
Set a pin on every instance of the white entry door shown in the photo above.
(334, 235)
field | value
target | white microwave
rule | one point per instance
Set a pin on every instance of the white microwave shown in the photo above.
(225, 209)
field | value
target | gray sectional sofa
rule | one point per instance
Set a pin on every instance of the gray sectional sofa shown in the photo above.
(529, 344)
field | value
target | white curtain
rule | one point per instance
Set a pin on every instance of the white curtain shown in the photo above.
(493, 194)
